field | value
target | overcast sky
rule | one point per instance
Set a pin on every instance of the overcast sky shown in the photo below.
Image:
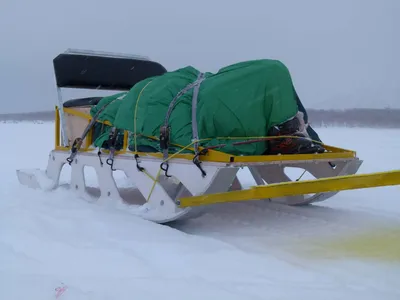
(341, 53)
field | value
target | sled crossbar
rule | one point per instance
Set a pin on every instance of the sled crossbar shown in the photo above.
(331, 184)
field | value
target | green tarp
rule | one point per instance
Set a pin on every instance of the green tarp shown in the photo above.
(241, 100)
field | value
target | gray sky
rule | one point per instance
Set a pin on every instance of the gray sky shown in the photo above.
(341, 53)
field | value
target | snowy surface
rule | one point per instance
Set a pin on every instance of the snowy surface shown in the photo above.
(344, 248)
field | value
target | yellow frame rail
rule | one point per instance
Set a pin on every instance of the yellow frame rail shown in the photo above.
(334, 153)
(331, 184)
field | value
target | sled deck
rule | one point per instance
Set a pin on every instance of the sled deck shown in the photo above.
(169, 189)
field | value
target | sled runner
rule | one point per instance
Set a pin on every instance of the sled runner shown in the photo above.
(157, 130)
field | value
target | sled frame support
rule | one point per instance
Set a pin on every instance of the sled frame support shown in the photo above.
(161, 197)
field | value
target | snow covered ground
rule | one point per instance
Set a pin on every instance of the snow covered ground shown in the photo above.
(54, 246)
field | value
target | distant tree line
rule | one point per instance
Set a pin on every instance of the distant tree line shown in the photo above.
(357, 117)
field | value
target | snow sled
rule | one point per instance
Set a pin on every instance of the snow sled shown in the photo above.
(174, 180)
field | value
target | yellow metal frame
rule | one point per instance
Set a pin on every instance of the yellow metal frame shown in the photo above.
(334, 153)
(331, 184)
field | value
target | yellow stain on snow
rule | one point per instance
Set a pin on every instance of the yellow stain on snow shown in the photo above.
(381, 245)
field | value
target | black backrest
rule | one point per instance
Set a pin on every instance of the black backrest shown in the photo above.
(95, 70)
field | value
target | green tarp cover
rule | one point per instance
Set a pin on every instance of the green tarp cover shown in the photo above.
(241, 100)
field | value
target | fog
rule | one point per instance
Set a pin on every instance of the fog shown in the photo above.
(341, 54)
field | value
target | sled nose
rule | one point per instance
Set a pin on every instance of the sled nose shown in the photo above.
(35, 179)
(28, 178)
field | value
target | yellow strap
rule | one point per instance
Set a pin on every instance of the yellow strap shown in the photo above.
(135, 114)
(159, 170)
(88, 117)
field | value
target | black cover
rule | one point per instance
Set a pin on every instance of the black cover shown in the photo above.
(89, 101)
(102, 72)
